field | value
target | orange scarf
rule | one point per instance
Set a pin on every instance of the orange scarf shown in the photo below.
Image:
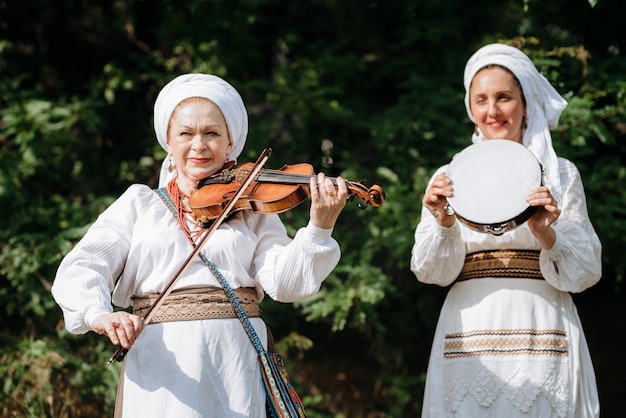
(185, 216)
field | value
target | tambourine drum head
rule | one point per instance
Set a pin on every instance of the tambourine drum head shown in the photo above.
(491, 180)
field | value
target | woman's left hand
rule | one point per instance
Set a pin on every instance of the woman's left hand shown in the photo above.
(541, 222)
(327, 200)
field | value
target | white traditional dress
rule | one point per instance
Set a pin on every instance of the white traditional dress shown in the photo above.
(508, 347)
(197, 368)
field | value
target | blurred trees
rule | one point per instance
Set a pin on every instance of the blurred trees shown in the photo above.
(364, 89)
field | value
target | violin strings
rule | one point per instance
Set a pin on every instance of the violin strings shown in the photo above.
(278, 176)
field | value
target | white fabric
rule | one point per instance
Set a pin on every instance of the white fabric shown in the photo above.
(194, 368)
(544, 104)
(210, 87)
(512, 386)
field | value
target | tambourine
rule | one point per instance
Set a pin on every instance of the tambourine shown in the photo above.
(491, 180)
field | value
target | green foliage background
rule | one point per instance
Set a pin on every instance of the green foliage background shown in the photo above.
(378, 81)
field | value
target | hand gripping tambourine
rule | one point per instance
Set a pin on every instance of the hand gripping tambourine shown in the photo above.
(491, 180)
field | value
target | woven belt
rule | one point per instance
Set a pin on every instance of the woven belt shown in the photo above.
(198, 303)
(521, 264)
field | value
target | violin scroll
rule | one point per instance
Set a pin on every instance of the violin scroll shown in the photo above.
(374, 196)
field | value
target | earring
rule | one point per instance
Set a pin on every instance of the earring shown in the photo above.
(172, 165)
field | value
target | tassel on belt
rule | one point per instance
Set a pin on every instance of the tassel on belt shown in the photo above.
(521, 264)
(197, 303)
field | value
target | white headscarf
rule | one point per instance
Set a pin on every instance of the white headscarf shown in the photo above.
(200, 85)
(543, 104)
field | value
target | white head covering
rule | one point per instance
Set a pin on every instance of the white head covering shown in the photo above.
(543, 104)
(200, 85)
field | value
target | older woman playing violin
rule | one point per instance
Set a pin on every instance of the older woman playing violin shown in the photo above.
(195, 361)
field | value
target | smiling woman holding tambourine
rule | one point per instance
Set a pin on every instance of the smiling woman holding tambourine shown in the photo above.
(506, 224)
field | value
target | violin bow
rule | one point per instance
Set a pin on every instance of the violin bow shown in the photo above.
(121, 352)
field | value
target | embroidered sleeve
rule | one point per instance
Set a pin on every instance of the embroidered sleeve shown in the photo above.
(292, 270)
(86, 276)
(573, 264)
(433, 244)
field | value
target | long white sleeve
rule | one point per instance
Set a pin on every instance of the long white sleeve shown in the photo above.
(573, 264)
(438, 253)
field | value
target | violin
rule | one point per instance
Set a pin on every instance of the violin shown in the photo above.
(271, 191)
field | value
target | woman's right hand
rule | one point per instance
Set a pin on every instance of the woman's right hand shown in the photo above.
(121, 327)
(435, 199)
